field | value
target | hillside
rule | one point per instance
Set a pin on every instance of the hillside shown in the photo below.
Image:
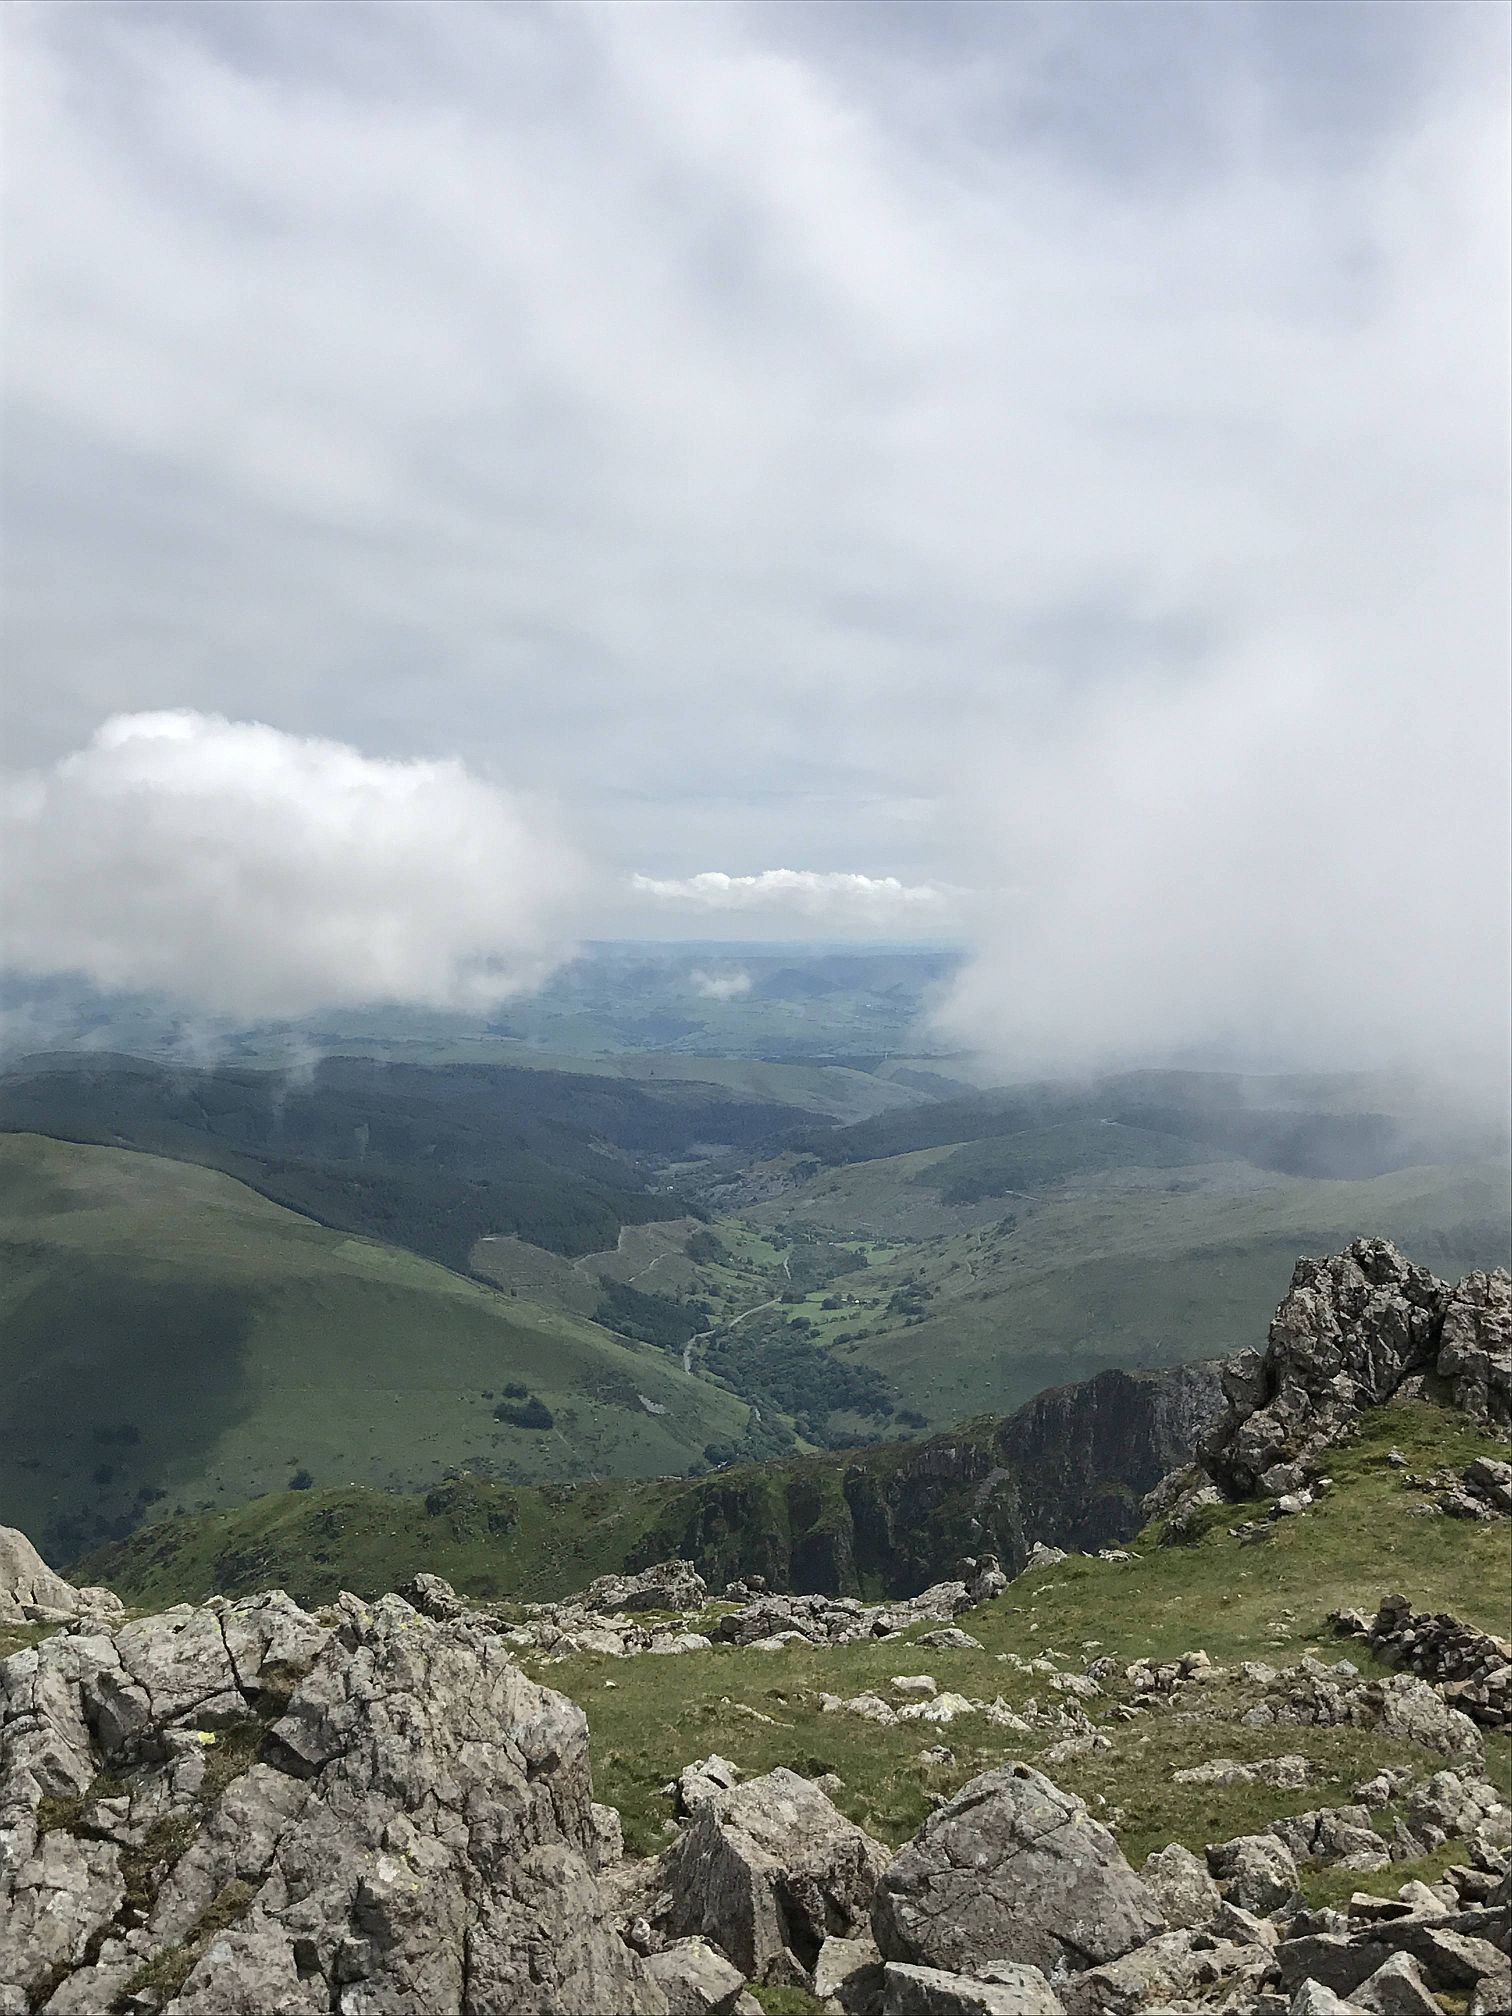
(1224, 1770)
(428, 1158)
(1070, 1468)
(171, 1338)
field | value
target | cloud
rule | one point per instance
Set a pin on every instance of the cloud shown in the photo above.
(867, 902)
(720, 986)
(258, 874)
(1057, 449)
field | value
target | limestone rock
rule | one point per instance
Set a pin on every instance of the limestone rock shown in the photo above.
(767, 1871)
(1475, 1346)
(385, 1815)
(1179, 1881)
(30, 1593)
(929, 1991)
(1257, 1872)
(433, 1596)
(1350, 1329)
(695, 1980)
(1313, 1999)
(1397, 1988)
(1012, 1868)
(669, 1585)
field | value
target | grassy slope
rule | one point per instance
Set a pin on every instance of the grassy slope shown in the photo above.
(240, 1341)
(1128, 1268)
(1266, 1600)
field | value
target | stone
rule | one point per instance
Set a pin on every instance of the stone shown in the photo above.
(30, 1593)
(414, 1830)
(767, 1870)
(1333, 1834)
(1239, 1927)
(950, 1638)
(695, 1980)
(1313, 1999)
(1257, 1872)
(1179, 1881)
(1396, 1988)
(1475, 1346)
(1490, 1479)
(1041, 1556)
(608, 1837)
(1012, 1866)
(1330, 1959)
(1491, 1995)
(840, 1961)
(930, 1991)
(1450, 1959)
(698, 1783)
(433, 1597)
(668, 1585)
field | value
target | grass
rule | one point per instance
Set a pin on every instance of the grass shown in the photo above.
(648, 1717)
(1132, 1267)
(170, 1338)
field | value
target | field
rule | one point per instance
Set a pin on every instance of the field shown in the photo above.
(965, 1308)
(172, 1338)
(1267, 1600)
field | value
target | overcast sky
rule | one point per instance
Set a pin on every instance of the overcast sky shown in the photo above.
(1035, 474)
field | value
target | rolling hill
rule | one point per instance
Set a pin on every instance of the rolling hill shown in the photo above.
(429, 1158)
(169, 1337)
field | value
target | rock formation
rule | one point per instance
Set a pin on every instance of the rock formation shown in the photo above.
(244, 1809)
(1360, 1328)
(30, 1593)
(1012, 1866)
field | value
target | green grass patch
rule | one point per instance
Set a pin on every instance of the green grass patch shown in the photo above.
(648, 1717)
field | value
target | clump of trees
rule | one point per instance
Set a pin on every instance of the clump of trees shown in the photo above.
(530, 1412)
(650, 1319)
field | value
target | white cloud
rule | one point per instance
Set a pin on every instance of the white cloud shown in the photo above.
(254, 873)
(870, 902)
(1003, 447)
(720, 986)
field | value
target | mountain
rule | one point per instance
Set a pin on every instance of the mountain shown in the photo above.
(172, 1338)
(429, 1158)
(1233, 1768)
(1070, 1468)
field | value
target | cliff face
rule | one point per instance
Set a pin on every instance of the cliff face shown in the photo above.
(1070, 1468)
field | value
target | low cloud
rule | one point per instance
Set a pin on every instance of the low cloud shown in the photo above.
(870, 902)
(721, 986)
(253, 874)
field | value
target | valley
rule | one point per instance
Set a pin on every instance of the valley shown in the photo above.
(401, 1267)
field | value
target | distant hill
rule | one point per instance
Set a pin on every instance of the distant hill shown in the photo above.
(1338, 1127)
(168, 1337)
(429, 1158)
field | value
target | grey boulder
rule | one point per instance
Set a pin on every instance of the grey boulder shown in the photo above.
(1179, 1880)
(929, 1991)
(768, 1871)
(1257, 1872)
(1012, 1868)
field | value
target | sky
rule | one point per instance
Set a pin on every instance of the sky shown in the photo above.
(1025, 475)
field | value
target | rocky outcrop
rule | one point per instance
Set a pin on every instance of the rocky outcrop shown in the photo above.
(243, 1808)
(767, 1871)
(30, 1593)
(1354, 1330)
(1475, 1347)
(1070, 1468)
(1472, 1669)
(1012, 1867)
(666, 1585)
